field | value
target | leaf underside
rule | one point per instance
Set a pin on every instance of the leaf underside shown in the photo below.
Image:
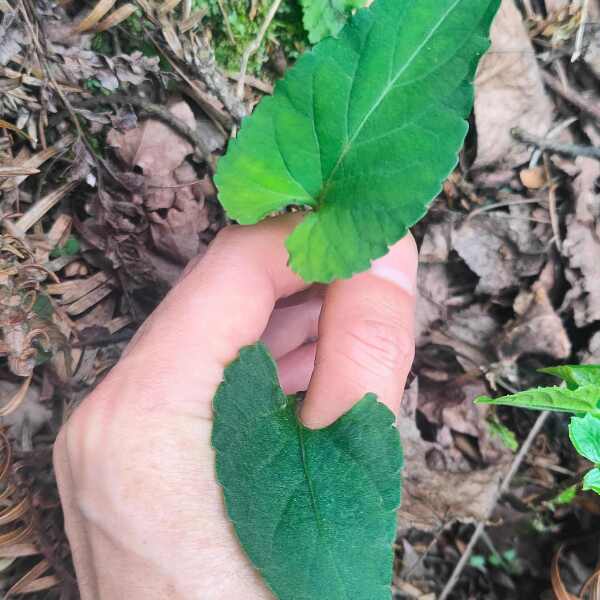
(362, 130)
(575, 375)
(326, 17)
(313, 509)
(591, 481)
(582, 400)
(584, 433)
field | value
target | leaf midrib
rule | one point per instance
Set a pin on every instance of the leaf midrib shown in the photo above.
(391, 82)
(315, 507)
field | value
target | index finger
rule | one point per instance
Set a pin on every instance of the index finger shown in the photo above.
(221, 305)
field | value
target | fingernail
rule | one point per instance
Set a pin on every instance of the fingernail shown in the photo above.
(399, 265)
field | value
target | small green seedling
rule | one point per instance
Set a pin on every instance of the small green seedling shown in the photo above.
(326, 17)
(70, 248)
(565, 497)
(359, 135)
(508, 561)
(581, 397)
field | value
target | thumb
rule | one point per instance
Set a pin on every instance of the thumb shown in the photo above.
(366, 337)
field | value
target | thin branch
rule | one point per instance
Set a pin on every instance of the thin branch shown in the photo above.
(253, 46)
(571, 150)
(514, 467)
(226, 21)
(583, 104)
(585, 11)
(552, 185)
(504, 204)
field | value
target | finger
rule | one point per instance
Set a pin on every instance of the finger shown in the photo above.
(295, 369)
(223, 304)
(316, 290)
(292, 326)
(366, 337)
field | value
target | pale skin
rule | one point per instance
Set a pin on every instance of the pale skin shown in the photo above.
(143, 511)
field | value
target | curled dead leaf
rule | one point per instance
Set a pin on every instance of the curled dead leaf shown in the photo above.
(557, 583)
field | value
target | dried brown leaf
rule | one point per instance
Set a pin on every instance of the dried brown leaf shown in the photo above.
(35, 161)
(118, 16)
(42, 206)
(500, 248)
(90, 20)
(18, 550)
(591, 588)
(537, 330)
(13, 36)
(145, 145)
(557, 583)
(171, 38)
(509, 92)
(8, 171)
(582, 248)
(27, 582)
(16, 512)
(432, 495)
(167, 6)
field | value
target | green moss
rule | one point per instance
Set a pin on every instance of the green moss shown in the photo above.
(285, 31)
(132, 37)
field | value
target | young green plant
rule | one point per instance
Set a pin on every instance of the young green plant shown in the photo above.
(581, 396)
(359, 135)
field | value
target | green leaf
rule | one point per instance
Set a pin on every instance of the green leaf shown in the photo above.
(591, 481)
(510, 555)
(478, 562)
(576, 375)
(42, 307)
(363, 130)
(313, 509)
(566, 496)
(69, 248)
(495, 560)
(585, 436)
(582, 400)
(508, 438)
(326, 17)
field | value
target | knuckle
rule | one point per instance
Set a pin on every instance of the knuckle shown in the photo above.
(77, 440)
(380, 346)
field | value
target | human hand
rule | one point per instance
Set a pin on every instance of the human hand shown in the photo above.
(143, 511)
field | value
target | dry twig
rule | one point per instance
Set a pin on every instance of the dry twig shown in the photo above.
(514, 467)
(585, 10)
(254, 46)
(552, 185)
(226, 21)
(571, 150)
(570, 95)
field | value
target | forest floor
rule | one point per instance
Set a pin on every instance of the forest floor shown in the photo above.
(97, 223)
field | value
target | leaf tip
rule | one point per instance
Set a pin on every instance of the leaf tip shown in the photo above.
(483, 400)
